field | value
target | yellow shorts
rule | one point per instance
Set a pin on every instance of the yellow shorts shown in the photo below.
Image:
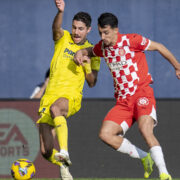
(48, 100)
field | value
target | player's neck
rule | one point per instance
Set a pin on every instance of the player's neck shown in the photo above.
(82, 42)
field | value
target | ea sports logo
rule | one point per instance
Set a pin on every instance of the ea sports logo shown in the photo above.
(18, 138)
(143, 101)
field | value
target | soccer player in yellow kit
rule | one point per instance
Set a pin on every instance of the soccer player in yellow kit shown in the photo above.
(63, 93)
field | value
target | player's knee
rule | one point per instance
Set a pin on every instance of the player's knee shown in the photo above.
(105, 136)
(56, 111)
(53, 110)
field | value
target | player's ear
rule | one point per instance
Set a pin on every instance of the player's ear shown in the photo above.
(116, 30)
(89, 29)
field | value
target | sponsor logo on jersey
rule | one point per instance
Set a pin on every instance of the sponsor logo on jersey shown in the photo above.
(117, 65)
(69, 52)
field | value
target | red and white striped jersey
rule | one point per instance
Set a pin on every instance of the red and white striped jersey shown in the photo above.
(127, 62)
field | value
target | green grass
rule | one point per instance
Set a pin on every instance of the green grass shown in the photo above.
(95, 179)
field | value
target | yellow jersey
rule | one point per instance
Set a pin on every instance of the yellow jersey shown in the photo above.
(65, 76)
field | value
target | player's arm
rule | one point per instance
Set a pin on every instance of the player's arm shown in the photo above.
(155, 46)
(91, 78)
(90, 74)
(81, 56)
(56, 27)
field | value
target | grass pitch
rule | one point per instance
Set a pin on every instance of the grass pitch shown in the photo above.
(94, 179)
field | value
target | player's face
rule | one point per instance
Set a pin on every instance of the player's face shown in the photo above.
(108, 35)
(79, 32)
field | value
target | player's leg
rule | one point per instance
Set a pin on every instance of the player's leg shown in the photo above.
(47, 135)
(48, 132)
(110, 134)
(47, 143)
(146, 126)
(145, 108)
(46, 124)
(113, 129)
(59, 110)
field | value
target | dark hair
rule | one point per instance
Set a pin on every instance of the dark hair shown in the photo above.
(84, 17)
(108, 19)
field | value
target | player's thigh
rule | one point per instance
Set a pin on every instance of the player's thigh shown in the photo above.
(60, 107)
(110, 128)
(121, 115)
(146, 125)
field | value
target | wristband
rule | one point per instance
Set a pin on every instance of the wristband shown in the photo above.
(87, 67)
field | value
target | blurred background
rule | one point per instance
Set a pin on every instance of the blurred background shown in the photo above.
(26, 45)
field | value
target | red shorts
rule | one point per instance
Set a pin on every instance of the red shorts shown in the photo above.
(127, 111)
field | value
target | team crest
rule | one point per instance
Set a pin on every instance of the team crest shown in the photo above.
(121, 52)
(143, 101)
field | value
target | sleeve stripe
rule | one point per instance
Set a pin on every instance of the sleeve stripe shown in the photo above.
(148, 45)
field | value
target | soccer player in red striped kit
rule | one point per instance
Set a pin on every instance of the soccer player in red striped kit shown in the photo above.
(135, 102)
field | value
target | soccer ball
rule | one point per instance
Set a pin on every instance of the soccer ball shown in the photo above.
(22, 169)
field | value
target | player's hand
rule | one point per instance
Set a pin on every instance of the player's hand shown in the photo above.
(78, 58)
(60, 4)
(178, 74)
(178, 71)
(86, 59)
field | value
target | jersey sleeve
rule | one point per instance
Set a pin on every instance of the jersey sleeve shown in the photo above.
(97, 49)
(65, 36)
(95, 63)
(139, 42)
